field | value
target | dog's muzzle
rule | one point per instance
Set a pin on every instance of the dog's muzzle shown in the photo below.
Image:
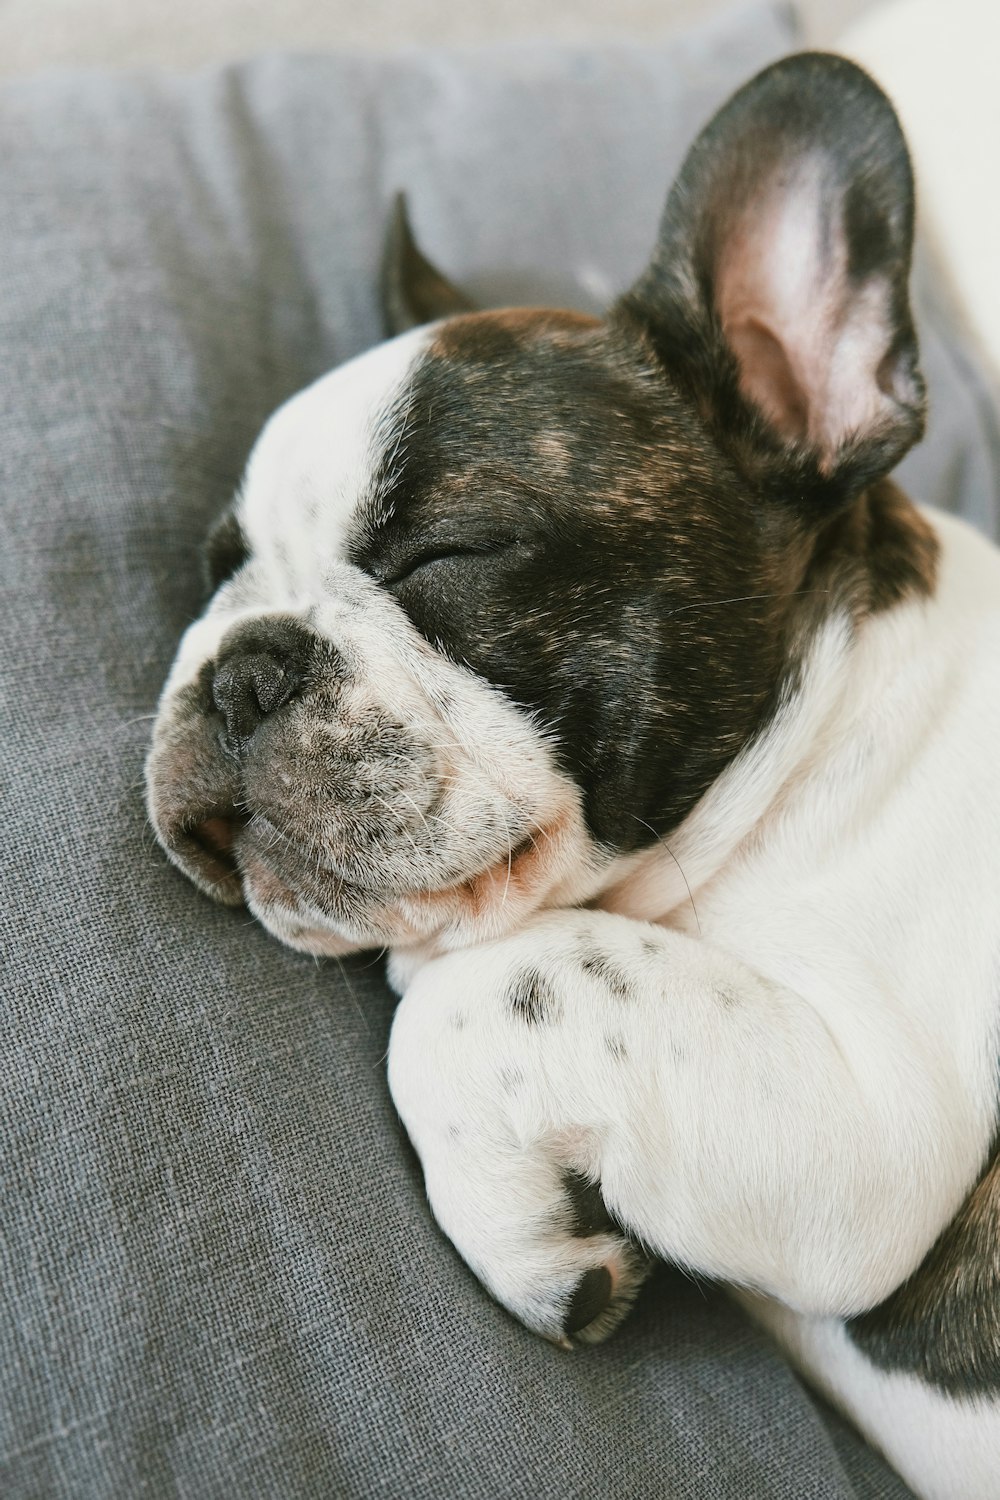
(275, 778)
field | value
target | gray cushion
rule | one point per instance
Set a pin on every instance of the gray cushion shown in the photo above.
(218, 1276)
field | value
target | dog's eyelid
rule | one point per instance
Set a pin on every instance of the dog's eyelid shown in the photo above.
(444, 552)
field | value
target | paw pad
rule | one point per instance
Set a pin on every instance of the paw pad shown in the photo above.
(589, 1299)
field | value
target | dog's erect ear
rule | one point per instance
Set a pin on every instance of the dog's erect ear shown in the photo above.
(413, 292)
(777, 293)
(225, 550)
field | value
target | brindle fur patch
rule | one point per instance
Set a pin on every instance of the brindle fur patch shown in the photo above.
(592, 556)
(880, 552)
(556, 515)
(943, 1324)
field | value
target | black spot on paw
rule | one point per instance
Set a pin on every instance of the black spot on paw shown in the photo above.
(617, 1048)
(588, 1212)
(598, 966)
(511, 1079)
(590, 1297)
(727, 996)
(652, 948)
(533, 1000)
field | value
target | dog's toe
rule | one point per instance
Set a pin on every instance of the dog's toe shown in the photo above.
(590, 1297)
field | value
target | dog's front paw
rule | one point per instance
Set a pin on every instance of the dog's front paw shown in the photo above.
(511, 1164)
(404, 964)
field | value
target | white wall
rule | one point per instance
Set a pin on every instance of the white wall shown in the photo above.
(183, 33)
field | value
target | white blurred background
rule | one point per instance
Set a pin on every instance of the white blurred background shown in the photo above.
(183, 33)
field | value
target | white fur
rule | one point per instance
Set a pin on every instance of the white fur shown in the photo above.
(801, 1088)
(944, 1449)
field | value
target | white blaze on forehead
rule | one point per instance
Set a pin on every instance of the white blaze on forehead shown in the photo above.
(315, 463)
(318, 459)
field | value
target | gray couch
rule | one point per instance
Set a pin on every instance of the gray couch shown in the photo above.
(218, 1276)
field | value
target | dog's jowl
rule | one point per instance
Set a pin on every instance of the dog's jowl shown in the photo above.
(597, 669)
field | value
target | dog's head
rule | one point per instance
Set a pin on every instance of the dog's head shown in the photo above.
(499, 600)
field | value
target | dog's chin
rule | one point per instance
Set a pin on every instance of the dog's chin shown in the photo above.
(341, 918)
(328, 916)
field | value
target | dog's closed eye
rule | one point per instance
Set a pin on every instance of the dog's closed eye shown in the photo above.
(442, 554)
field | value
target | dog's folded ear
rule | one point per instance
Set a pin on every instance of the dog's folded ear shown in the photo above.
(413, 291)
(777, 294)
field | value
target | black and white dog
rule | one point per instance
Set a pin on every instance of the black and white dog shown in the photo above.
(596, 670)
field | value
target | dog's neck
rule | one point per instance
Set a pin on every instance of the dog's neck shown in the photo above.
(876, 563)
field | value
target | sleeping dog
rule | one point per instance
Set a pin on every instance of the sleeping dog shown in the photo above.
(596, 669)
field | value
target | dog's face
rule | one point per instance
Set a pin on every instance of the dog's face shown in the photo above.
(499, 600)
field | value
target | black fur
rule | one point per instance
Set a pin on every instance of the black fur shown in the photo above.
(533, 1000)
(595, 518)
(598, 966)
(563, 525)
(589, 1215)
(943, 1324)
(413, 291)
(590, 1297)
(225, 551)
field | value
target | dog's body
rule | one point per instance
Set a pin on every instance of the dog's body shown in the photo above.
(832, 959)
(596, 670)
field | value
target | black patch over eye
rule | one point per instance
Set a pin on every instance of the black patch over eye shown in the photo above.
(226, 550)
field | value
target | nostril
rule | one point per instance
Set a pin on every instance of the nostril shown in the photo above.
(246, 688)
(217, 834)
(209, 845)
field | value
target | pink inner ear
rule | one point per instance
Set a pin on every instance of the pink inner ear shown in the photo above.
(767, 377)
(810, 344)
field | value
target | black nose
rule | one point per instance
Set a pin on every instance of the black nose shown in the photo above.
(246, 688)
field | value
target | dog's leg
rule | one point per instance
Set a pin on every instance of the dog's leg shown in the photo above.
(595, 1083)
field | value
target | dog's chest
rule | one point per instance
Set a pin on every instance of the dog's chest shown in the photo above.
(852, 851)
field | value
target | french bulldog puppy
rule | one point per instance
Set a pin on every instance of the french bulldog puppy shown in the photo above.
(597, 670)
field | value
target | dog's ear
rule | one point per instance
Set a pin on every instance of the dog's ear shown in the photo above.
(224, 552)
(413, 292)
(777, 293)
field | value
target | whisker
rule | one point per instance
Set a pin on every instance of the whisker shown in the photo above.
(351, 991)
(661, 840)
(409, 836)
(420, 815)
(740, 599)
(510, 862)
